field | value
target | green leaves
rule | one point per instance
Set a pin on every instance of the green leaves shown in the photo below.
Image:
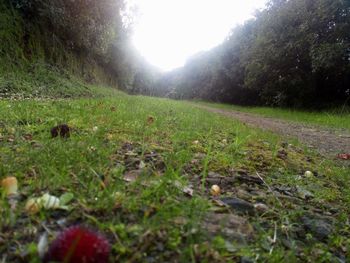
(295, 54)
(66, 198)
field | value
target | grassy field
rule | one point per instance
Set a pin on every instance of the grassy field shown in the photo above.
(139, 170)
(337, 119)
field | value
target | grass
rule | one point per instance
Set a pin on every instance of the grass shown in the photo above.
(336, 119)
(34, 63)
(171, 145)
(40, 80)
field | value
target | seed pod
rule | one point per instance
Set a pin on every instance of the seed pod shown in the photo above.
(32, 206)
(10, 185)
(49, 201)
(308, 174)
(88, 247)
(215, 190)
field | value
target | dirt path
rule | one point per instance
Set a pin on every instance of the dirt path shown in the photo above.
(327, 142)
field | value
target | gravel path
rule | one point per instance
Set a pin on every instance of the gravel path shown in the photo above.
(327, 142)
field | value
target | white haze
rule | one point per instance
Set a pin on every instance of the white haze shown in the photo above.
(168, 32)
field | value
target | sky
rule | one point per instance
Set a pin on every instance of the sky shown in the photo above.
(168, 32)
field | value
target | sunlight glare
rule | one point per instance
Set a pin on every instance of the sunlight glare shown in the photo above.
(170, 31)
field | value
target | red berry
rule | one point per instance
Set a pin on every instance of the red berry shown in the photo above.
(79, 245)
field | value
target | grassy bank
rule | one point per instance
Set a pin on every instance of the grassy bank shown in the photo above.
(36, 63)
(337, 118)
(132, 163)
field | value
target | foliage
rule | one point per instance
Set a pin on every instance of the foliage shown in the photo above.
(87, 39)
(295, 53)
(91, 25)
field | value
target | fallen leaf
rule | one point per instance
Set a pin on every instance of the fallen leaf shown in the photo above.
(150, 120)
(188, 191)
(180, 221)
(32, 206)
(66, 198)
(219, 203)
(132, 176)
(344, 156)
(261, 208)
(28, 137)
(185, 189)
(109, 136)
(61, 130)
(11, 138)
(303, 193)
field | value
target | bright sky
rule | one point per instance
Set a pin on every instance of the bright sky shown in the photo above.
(170, 31)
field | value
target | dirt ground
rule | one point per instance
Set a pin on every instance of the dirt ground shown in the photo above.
(328, 142)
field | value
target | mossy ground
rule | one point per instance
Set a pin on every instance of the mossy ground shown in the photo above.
(169, 145)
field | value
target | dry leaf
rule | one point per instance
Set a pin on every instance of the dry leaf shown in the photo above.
(187, 190)
(150, 120)
(32, 206)
(11, 138)
(344, 156)
(61, 130)
(261, 208)
(219, 203)
(28, 137)
(132, 176)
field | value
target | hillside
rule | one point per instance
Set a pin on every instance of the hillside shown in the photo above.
(62, 49)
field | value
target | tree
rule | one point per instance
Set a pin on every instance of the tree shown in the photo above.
(295, 53)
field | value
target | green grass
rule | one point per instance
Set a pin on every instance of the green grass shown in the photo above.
(152, 219)
(336, 119)
(40, 80)
(36, 63)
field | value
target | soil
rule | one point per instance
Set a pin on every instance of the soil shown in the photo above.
(328, 142)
